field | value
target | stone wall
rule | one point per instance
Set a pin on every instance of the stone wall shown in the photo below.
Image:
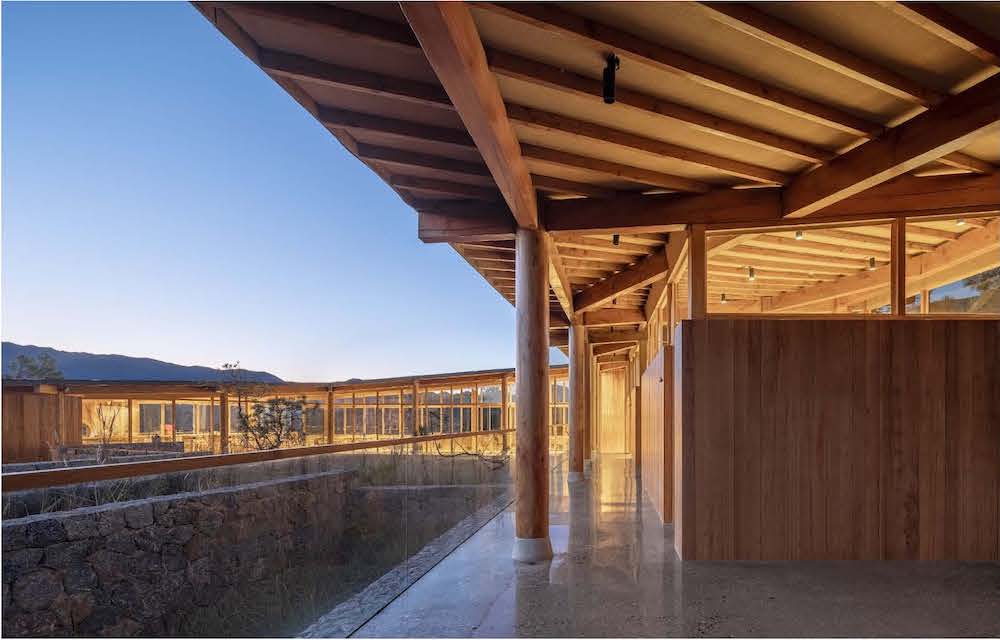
(164, 565)
(262, 557)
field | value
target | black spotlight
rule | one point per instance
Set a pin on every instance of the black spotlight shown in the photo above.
(615, 239)
(609, 78)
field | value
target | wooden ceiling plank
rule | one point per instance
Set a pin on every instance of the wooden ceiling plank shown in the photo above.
(443, 187)
(745, 18)
(403, 158)
(301, 68)
(614, 169)
(559, 185)
(936, 20)
(448, 37)
(332, 19)
(404, 128)
(537, 73)
(547, 121)
(628, 45)
(947, 128)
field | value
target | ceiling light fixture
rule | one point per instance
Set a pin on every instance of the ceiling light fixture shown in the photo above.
(960, 222)
(613, 63)
(723, 299)
(871, 263)
(751, 274)
(798, 235)
(616, 239)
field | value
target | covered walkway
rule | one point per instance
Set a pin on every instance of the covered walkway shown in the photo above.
(615, 574)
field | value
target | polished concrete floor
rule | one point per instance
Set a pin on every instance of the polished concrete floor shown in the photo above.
(615, 574)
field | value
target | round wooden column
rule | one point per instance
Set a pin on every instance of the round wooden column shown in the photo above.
(532, 456)
(577, 399)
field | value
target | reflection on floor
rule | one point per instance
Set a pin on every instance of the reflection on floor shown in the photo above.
(615, 574)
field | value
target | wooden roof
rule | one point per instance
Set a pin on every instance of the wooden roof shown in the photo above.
(483, 115)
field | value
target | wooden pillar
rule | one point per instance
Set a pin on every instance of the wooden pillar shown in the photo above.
(697, 273)
(532, 379)
(211, 423)
(577, 399)
(328, 417)
(504, 410)
(130, 421)
(588, 418)
(925, 301)
(475, 408)
(897, 267)
(637, 372)
(224, 423)
(415, 406)
(173, 420)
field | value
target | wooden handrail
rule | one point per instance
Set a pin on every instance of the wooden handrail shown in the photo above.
(62, 476)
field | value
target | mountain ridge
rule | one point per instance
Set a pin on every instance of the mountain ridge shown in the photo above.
(82, 365)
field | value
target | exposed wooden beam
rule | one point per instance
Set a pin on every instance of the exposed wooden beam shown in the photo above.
(603, 349)
(558, 280)
(676, 248)
(444, 187)
(697, 269)
(303, 69)
(965, 161)
(638, 213)
(547, 121)
(449, 38)
(401, 158)
(609, 336)
(395, 127)
(558, 185)
(643, 273)
(745, 18)
(463, 221)
(945, 129)
(612, 357)
(614, 169)
(604, 37)
(940, 195)
(949, 27)
(333, 20)
(897, 268)
(537, 73)
(611, 317)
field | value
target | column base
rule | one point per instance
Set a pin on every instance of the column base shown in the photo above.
(576, 476)
(532, 549)
(588, 465)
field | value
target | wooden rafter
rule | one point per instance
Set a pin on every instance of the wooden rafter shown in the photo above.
(538, 73)
(448, 37)
(628, 45)
(547, 121)
(947, 128)
(744, 17)
(643, 273)
(611, 317)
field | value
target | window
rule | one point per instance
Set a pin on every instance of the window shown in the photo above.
(184, 422)
(149, 418)
(314, 419)
(953, 265)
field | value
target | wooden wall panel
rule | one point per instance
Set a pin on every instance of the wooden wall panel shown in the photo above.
(611, 431)
(657, 433)
(29, 420)
(837, 439)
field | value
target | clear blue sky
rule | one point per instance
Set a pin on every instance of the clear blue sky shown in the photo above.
(163, 197)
